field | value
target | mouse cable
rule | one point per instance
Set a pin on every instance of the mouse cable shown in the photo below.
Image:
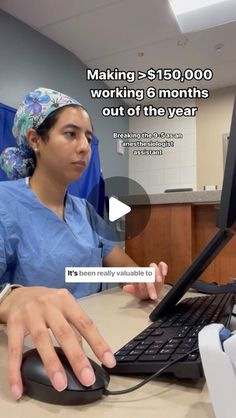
(139, 385)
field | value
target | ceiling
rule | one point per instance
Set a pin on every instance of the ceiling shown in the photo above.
(131, 35)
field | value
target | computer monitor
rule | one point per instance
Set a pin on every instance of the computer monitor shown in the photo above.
(226, 220)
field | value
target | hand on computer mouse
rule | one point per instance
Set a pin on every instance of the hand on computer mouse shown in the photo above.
(38, 386)
(146, 291)
(32, 310)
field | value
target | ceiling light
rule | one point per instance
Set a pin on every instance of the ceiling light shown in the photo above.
(181, 6)
(196, 15)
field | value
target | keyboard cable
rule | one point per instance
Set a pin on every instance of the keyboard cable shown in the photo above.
(156, 374)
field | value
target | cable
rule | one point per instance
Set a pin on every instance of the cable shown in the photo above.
(139, 385)
(213, 288)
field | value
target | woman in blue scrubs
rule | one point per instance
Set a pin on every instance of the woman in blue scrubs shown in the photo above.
(43, 229)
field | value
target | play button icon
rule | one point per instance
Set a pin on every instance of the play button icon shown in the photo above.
(117, 209)
(126, 206)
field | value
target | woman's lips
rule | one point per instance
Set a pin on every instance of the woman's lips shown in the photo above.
(79, 164)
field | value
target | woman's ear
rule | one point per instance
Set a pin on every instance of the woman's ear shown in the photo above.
(33, 139)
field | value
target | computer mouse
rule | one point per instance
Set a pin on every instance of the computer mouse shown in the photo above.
(37, 384)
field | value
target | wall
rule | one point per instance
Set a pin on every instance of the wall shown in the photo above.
(197, 159)
(177, 166)
(29, 60)
(213, 120)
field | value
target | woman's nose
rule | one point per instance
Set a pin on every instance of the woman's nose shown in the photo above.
(83, 144)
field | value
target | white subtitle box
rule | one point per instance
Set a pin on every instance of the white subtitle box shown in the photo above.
(109, 274)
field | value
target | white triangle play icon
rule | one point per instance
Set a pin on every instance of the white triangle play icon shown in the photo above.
(117, 209)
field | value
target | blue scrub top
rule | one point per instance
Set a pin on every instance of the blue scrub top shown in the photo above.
(36, 245)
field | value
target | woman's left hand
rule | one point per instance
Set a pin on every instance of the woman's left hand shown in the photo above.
(146, 291)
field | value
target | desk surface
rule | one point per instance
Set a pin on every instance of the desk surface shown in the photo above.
(119, 318)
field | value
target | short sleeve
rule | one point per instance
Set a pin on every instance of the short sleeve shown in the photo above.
(7, 259)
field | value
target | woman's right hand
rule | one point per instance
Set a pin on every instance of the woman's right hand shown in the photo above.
(32, 310)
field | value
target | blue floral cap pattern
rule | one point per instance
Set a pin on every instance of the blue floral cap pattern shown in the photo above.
(37, 105)
(17, 162)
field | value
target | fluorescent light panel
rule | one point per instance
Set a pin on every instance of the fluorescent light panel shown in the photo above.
(196, 15)
(184, 6)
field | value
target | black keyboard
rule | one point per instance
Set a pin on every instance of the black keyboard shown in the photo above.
(173, 335)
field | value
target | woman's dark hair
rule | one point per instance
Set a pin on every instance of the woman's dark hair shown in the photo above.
(51, 120)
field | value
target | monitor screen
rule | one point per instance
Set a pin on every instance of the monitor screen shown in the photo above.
(225, 222)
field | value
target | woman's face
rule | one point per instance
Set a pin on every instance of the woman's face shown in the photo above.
(67, 151)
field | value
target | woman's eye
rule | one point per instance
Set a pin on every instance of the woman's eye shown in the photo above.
(70, 134)
(89, 139)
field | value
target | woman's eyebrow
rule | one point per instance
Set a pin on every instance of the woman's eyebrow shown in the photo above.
(73, 126)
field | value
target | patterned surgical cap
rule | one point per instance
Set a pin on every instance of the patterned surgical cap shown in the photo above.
(19, 162)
